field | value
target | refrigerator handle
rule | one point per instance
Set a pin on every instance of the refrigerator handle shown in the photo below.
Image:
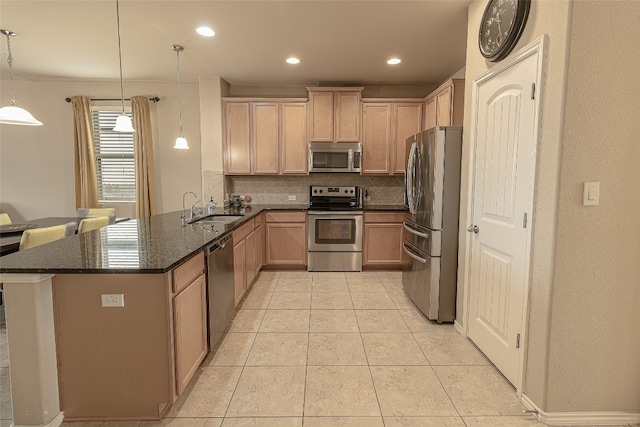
(410, 174)
(412, 255)
(413, 231)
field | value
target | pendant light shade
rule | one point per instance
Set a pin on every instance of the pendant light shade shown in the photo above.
(123, 122)
(181, 141)
(12, 115)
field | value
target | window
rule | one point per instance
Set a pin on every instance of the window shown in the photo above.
(115, 165)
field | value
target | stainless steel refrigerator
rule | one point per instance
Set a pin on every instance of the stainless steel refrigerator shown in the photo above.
(432, 185)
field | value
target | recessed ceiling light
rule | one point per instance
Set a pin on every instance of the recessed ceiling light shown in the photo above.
(293, 60)
(394, 61)
(205, 31)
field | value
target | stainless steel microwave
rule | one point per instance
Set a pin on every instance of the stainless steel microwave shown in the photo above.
(335, 157)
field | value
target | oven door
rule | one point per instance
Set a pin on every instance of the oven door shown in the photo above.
(334, 231)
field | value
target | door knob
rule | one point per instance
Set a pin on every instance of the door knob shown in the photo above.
(473, 228)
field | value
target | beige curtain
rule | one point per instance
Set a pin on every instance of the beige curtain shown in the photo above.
(143, 152)
(85, 156)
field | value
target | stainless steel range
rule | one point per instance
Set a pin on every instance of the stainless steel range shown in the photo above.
(334, 229)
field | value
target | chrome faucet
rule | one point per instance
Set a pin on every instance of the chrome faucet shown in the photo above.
(184, 211)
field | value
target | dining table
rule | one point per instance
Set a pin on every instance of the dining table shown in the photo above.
(10, 240)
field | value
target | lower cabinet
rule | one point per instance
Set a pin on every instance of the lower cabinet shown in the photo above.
(190, 330)
(383, 232)
(248, 244)
(286, 239)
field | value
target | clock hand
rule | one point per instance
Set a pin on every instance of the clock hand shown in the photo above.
(499, 36)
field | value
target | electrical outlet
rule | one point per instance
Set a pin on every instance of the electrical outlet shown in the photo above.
(292, 197)
(112, 300)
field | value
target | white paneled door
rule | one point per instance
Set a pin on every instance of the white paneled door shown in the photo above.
(504, 169)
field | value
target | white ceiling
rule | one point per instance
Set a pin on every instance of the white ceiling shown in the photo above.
(337, 41)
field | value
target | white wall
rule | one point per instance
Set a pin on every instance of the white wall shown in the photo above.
(37, 163)
(583, 341)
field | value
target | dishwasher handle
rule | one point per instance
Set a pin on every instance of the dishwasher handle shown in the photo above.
(219, 245)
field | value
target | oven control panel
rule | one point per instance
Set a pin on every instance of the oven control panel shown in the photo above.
(344, 192)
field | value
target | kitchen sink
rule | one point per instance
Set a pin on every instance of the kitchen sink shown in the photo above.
(219, 218)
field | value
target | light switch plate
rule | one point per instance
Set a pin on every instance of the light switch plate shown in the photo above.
(591, 194)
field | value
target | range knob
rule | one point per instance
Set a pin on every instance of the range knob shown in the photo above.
(321, 191)
(315, 191)
(351, 191)
(346, 191)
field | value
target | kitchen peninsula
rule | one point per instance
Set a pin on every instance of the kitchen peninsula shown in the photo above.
(114, 362)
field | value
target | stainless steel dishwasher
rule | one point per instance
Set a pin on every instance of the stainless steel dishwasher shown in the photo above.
(221, 288)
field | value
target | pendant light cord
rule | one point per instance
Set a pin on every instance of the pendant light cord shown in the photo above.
(10, 62)
(120, 55)
(179, 49)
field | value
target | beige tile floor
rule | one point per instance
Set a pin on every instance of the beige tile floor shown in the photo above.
(334, 350)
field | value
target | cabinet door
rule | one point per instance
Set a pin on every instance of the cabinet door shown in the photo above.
(293, 134)
(286, 244)
(376, 138)
(250, 259)
(444, 106)
(430, 113)
(265, 138)
(347, 116)
(236, 137)
(239, 270)
(407, 122)
(190, 330)
(382, 244)
(321, 116)
(259, 248)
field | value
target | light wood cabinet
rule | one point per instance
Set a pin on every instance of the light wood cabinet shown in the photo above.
(244, 258)
(286, 239)
(445, 105)
(383, 232)
(376, 138)
(190, 330)
(293, 138)
(239, 269)
(385, 128)
(265, 136)
(407, 121)
(237, 131)
(334, 114)
(259, 246)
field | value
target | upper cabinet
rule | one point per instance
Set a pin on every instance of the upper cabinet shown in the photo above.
(445, 105)
(386, 125)
(265, 136)
(334, 114)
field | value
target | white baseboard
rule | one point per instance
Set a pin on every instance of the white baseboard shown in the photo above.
(583, 418)
(458, 327)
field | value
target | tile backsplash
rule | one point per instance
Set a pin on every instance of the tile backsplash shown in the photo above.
(382, 190)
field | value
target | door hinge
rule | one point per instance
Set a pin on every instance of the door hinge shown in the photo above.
(524, 220)
(533, 91)
(518, 341)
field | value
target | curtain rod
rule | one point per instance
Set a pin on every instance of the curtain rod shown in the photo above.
(154, 99)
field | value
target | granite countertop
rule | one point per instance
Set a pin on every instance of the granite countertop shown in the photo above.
(149, 245)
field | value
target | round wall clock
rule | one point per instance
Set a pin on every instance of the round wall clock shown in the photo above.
(502, 24)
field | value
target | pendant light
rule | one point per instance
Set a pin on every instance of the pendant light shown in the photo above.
(181, 141)
(123, 122)
(12, 115)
